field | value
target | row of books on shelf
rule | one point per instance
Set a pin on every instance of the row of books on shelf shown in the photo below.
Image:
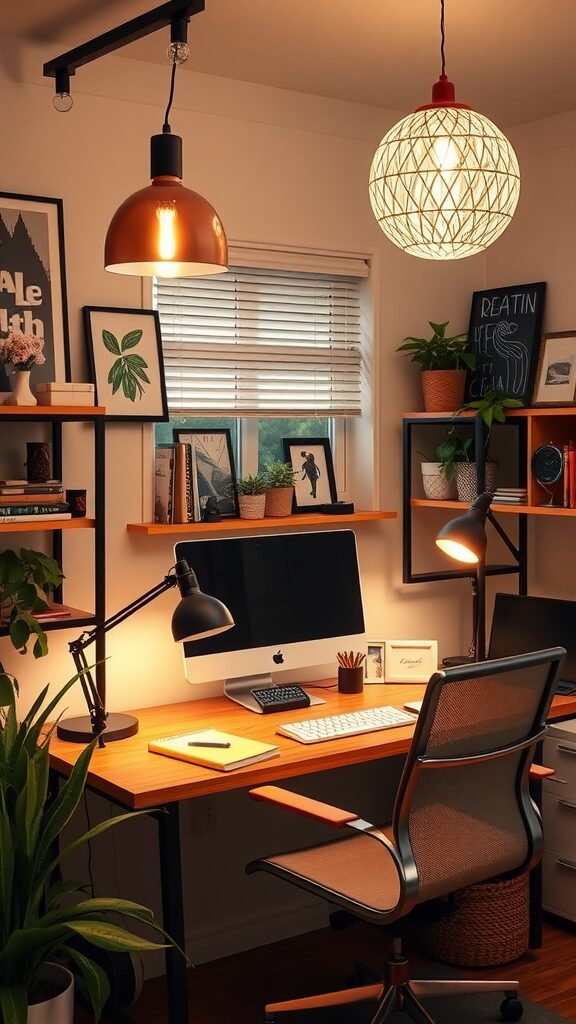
(176, 494)
(21, 501)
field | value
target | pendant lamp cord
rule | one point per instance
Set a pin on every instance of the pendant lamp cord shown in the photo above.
(166, 126)
(442, 37)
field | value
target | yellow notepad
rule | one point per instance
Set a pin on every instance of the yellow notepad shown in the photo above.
(241, 751)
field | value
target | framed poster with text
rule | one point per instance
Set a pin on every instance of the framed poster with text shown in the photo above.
(33, 281)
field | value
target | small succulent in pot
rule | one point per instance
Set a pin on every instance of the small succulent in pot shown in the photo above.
(280, 488)
(252, 496)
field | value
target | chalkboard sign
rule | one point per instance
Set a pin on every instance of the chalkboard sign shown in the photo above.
(504, 335)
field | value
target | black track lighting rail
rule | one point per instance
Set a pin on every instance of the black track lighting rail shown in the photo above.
(115, 38)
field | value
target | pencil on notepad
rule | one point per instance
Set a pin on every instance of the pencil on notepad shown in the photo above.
(206, 743)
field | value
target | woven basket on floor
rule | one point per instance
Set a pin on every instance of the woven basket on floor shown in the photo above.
(489, 927)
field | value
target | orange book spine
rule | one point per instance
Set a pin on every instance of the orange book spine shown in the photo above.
(566, 478)
(572, 473)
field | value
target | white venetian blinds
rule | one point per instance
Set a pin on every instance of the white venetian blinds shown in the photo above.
(264, 340)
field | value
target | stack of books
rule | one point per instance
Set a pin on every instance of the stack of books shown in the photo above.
(510, 496)
(22, 502)
(176, 495)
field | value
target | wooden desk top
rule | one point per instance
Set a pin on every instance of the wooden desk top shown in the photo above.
(127, 772)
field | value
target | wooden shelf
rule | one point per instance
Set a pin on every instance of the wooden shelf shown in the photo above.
(565, 410)
(78, 619)
(48, 524)
(526, 510)
(270, 523)
(46, 411)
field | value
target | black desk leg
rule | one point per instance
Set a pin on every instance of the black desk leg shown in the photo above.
(173, 912)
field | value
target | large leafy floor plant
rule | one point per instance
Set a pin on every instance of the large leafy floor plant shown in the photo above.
(41, 916)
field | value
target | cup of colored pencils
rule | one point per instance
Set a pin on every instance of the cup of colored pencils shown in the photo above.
(350, 671)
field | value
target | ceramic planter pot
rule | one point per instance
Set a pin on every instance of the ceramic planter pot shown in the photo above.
(279, 501)
(443, 390)
(466, 480)
(251, 506)
(437, 487)
(22, 393)
(57, 1008)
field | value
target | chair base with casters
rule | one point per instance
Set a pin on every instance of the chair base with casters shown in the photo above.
(374, 1004)
(463, 815)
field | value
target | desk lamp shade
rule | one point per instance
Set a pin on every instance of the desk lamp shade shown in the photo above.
(464, 538)
(197, 615)
(444, 181)
(165, 229)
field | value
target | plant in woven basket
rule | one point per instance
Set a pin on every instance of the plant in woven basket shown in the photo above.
(279, 474)
(252, 496)
(279, 478)
(444, 360)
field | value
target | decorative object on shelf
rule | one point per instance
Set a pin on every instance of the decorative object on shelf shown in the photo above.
(437, 486)
(76, 498)
(491, 408)
(27, 580)
(251, 496)
(22, 352)
(165, 229)
(164, 483)
(63, 393)
(504, 335)
(410, 661)
(444, 181)
(467, 480)
(556, 373)
(195, 615)
(213, 461)
(279, 489)
(374, 664)
(548, 468)
(43, 917)
(126, 364)
(350, 671)
(314, 482)
(443, 362)
(34, 285)
(38, 462)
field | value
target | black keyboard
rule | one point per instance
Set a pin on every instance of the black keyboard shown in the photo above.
(563, 687)
(281, 698)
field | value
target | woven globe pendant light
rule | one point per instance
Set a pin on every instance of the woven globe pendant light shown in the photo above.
(444, 181)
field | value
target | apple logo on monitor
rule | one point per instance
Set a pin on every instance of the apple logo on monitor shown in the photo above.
(278, 658)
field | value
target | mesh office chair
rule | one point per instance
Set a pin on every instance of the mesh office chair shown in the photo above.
(462, 815)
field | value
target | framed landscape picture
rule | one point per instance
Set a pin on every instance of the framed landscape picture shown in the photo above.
(32, 268)
(125, 359)
(213, 461)
(314, 482)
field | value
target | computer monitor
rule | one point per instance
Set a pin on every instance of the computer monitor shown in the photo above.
(521, 624)
(295, 599)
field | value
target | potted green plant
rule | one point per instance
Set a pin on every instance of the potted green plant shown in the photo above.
(279, 478)
(251, 496)
(492, 409)
(438, 484)
(41, 917)
(443, 361)
(27, 578)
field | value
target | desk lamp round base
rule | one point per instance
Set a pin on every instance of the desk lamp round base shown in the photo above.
(79, 730)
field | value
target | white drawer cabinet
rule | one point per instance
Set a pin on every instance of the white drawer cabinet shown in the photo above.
(559, 821)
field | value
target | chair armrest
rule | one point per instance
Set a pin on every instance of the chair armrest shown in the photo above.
(538, 771)
(304, 805)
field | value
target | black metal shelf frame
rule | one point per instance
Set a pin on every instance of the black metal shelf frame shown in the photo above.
(520, 566)
(57, 419)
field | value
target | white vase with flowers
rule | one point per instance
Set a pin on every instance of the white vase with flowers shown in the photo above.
(22, 352)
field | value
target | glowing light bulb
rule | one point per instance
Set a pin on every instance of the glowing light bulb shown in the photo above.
(62, 102)
(166, 214)
(178, 53)
(445, 154)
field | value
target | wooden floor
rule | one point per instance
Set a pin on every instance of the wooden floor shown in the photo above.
(236, 988)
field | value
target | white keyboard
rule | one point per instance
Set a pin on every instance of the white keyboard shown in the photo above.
(334, 727)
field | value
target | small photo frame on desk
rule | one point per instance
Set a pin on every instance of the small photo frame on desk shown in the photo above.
(410, 661)
(556, 373)
(374, 663)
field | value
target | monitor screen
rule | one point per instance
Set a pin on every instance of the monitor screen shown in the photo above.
(521, 624)
(295, 599)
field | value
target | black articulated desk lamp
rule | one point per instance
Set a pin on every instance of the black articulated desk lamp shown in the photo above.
(464, 539)
(196, 615)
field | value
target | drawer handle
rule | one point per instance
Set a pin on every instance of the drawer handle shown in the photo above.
(566, 863)
(566, 803)
(566, 750)
(559, 782)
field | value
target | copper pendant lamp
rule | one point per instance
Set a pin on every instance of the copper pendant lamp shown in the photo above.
(444, 181)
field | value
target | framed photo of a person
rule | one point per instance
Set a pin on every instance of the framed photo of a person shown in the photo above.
(556, 373)
(213, 460)
(33, 280)
(126, 364)
(374, 663)
(314, 482)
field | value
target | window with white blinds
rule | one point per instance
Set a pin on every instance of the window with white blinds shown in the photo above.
(264, 341)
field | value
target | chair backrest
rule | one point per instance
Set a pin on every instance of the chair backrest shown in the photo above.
(463, 813)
